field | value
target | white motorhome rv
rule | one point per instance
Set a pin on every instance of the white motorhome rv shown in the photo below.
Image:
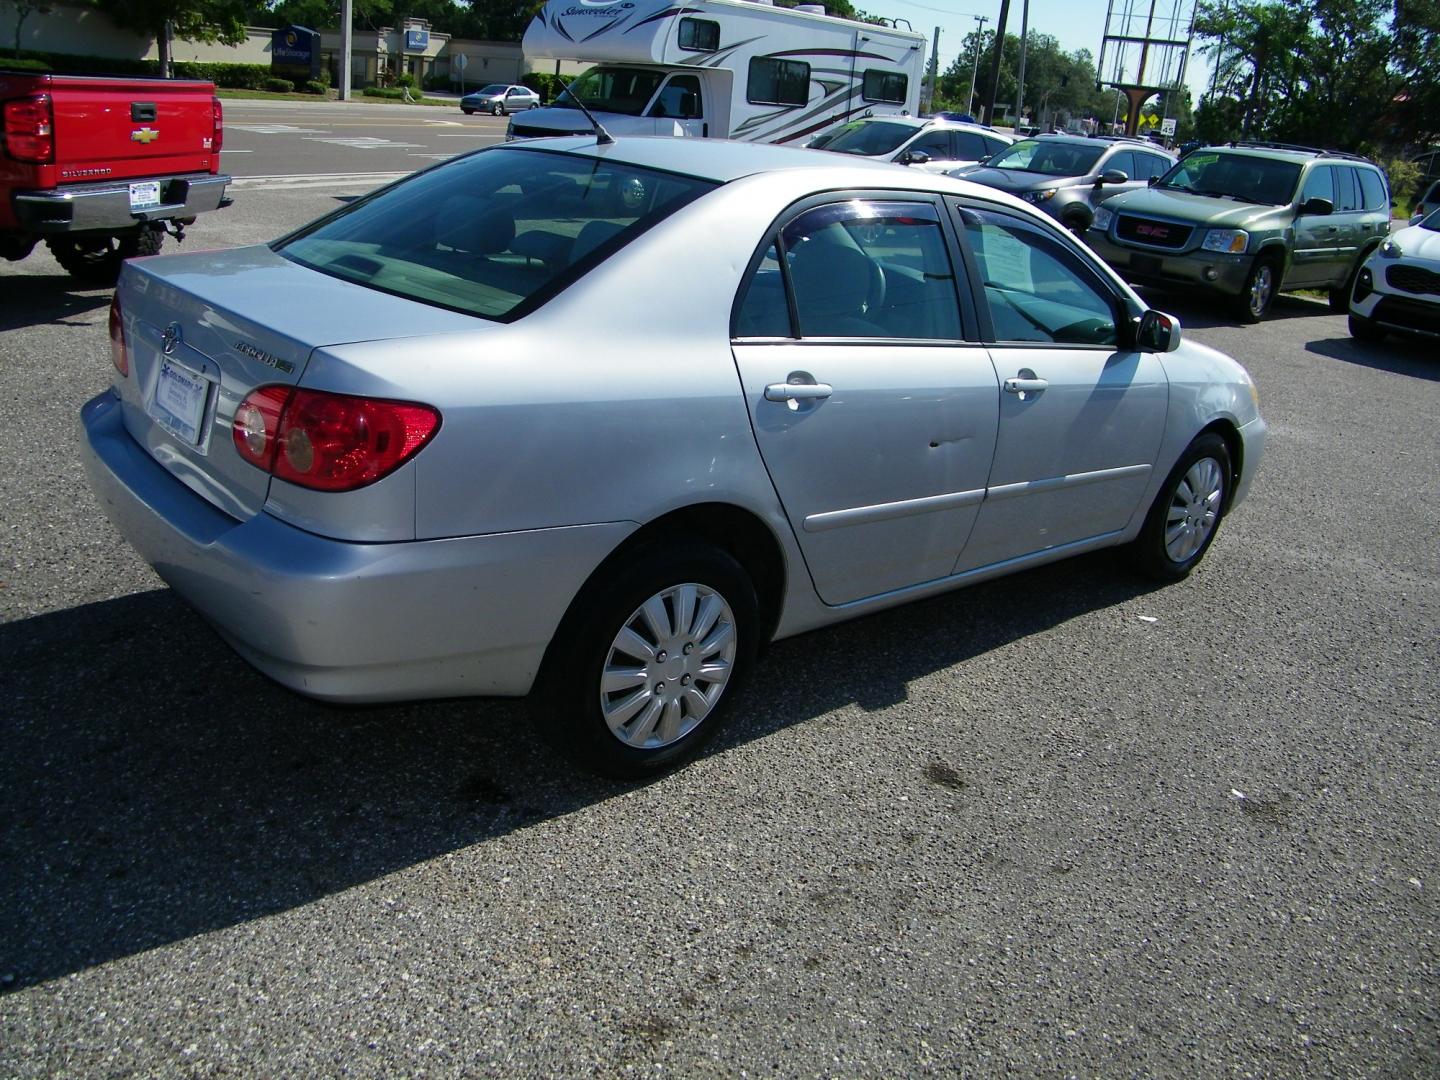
(737, 69)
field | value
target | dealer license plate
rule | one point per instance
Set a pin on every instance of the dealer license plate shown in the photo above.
(145, 195)
(180, 401)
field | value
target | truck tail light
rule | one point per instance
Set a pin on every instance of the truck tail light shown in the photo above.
(118, 354)
(217, 136)
(329, 442)
(30, 129)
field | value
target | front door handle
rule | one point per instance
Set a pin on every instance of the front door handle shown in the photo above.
(1025, 386)
(781, 391)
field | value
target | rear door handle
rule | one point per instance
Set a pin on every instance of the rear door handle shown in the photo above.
(797, 391)
(1025, 386)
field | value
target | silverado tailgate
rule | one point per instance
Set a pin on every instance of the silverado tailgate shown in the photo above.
(122, 128)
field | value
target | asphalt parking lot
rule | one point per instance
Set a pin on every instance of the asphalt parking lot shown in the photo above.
(1061, 824)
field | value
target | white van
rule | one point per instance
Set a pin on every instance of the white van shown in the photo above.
(735, 69)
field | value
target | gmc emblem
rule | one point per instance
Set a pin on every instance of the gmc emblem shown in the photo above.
(1159, 232)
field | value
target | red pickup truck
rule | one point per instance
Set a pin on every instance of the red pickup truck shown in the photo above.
(101, 168)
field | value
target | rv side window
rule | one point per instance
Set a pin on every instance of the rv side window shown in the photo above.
(699, 35)
(778, 82)
(885, 86)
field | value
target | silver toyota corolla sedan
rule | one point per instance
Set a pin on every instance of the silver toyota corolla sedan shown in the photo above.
(598, 421)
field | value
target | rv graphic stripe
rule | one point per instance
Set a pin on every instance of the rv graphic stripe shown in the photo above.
(666, 14)
(834, 52)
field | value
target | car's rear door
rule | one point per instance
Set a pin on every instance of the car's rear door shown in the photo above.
(873, 403)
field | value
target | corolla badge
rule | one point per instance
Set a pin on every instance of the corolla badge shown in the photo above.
(170, 338)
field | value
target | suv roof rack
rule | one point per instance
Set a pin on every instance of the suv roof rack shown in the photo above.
(1258, 144)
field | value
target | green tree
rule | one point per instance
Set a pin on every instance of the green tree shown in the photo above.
(23, 10)
(192, 20)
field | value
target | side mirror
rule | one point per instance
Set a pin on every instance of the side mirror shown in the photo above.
(984, 159)
(914, 157)
(1318, 206)
(1112, 176)
(1154, 180)
(1157, 332)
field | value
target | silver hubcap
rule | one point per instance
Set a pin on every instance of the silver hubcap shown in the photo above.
(1194, 509)
(1260, 288)
(668, 666)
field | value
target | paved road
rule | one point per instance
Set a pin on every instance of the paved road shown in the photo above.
(1064, 824)
(283, 138)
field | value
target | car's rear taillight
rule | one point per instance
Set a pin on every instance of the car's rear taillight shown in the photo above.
(118, 355)
(217, 135)
(329, 442)
(30, 129)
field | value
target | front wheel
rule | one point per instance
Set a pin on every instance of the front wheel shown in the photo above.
(1186, 513)
(649, 657)
(498, 109)
(96, 260)
(1260, 288)
(1362, 329)
(468, 112)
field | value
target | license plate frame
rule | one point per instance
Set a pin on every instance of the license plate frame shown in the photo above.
(144, 195)
(181, 398)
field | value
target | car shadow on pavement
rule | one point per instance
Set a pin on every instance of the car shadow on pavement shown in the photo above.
(156, 787)
(1402, 356)
(1208, 312)
(52, 298)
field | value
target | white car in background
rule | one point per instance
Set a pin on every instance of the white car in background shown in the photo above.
(931, 145)
(1398, 288)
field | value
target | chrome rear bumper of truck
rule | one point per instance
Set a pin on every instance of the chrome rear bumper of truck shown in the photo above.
(106, 207)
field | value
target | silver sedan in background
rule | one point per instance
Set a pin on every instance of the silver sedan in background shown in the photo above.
(500, 99)
(599, 421)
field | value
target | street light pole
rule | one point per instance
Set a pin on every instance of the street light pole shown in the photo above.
(1020, 79)
(975, 71)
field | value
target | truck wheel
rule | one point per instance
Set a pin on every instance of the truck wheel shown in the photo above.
(96, 260)
(1260, 289)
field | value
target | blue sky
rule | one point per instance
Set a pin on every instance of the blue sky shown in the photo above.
(1077, 24)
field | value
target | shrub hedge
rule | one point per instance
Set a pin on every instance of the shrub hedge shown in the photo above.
(229, 76)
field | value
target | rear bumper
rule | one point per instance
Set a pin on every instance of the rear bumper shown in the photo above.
(1210, 270)
(343, 621)
(105, 207)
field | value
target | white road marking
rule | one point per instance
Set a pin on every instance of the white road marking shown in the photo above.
(274, 129)
(318, 180)
(366, 142)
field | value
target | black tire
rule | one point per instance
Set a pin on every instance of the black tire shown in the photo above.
(1152, 556)
(1340, 296)
(468, 112)
(1077, 223)
(498, 109)
(1362, 329)
(568, 697)
(1254, 302)
(96, 260)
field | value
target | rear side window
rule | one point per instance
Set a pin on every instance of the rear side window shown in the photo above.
(860, 268)
(885, 86)
(493, 234)
(1372, 189)
(1347, 189)
(699, 35)
(778, 82)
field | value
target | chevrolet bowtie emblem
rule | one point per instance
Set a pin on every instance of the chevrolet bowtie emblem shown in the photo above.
(144, 135)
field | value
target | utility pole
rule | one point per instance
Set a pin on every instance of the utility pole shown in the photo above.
(346, 47)
(929, 104)
(995, 60)
(975, 71)
(1020, 79)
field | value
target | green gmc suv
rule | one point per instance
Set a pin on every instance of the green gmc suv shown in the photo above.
(1247, 221)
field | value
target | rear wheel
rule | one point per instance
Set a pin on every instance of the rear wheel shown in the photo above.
(651, 654)
(96, 260)
(1186, 513)
(498, 109)
(468, 112)
(1340, 296)
(1362, 329)
(1260, 288)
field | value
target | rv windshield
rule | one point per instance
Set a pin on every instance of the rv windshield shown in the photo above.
(868, 138)
(614, 89)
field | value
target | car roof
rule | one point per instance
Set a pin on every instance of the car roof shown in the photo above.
(1285, 152)
(720, 160)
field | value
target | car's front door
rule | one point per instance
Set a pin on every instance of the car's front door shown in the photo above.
(1081, 417)
(679, 108)
(1318, 237)
(874, 406)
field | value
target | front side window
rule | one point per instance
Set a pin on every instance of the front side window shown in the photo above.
(1123, 161)
(969, 146)
(885, 86)
(865, 138)
(699, 35)
(936, 144)
(861, 268)
(494, 233)
(680, 99)
(1320, 184)
(778, 82)
(1035, 288)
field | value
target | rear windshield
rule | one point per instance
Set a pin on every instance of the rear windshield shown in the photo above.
(868, 138)
(492, 234)
(1242, 177)
(1049, 158)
